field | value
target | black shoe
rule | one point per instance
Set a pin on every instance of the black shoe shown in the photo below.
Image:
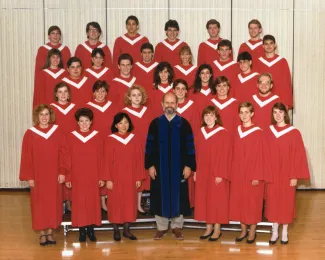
(212, 239)
(251, 241)
(43, 243)
(129, 236)
(117, 235)
(284, 242)
(273, 242)
(50, 242)
(82, 234)
(207, 236)
(143, 213)
(91, 234)
(239, 239)
(68, 212)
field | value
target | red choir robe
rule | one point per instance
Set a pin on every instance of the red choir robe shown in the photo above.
(288, 161)
(229, 69)
(84, 50)
(43, 51)
(81, 89)
(156, 98)
(248, 164)
(124, 167)
(169, 51)
(45, 82)
(188, 111)
(186, 73)
(130, 45)
(263, 109)
(103, 73)
(141, 118)
(119, 87)
(228, 110)
(40, 162)
(201, 98)
(245, 86)
(279, 69)
(81, 161)
(213, 158)
(254, 48)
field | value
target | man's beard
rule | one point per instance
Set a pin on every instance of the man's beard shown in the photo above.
(169, 110)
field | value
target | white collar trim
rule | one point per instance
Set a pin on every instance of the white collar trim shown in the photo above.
(213, 46)
(64, 111)
(246, 133)
(185, 72)
(184, 108)
(79, 85)
(242, 80)
(97, 75)
(135, 113)
(128, 84)
(208, 135)
(281, 133)
(264, 103)
(147, 69)
(82, 138)
(44, 135)
(120, 139)
(90, 49)
(224, 105)
(220, 67)
(100, 108)
(270, 64)
(172, 47)
(254, 46)
(50, 48)
(166, 89)
(54, 75)
(132, 42)
(205, 92)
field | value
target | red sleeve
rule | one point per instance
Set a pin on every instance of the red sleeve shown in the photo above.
(255, 162)
(66, 55)
(241, 48)
(108, 57)
(78, 52)
(40, 58)
(140, 173)
(116, 54)
(200, 55)
(27, 162)
(65, 159)
(286, 88)
(159, 52)
(108, 160)
(38, 88)
(101, 174)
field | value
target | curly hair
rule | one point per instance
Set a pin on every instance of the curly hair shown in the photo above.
(38, 109)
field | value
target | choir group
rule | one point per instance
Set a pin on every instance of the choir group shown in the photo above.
(91, 117)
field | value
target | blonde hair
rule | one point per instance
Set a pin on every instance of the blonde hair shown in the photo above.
(246, 104)
(37, 110)
(127, 95)
(186, 49)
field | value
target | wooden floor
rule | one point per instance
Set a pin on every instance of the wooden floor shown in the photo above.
(18, 240)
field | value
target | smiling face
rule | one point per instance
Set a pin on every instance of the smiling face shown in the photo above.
(210, 119)
(63, 95)
(245, 115)
(180, 91)
(264, 85)
(245, 66)
(186, 58)
(84, 124)
(172, 34)
(147, 55)
(169, 104)
(278, 116)
(100, 95)
(125, 68)
(222, 89)
(163, 75)
(254, 31)
(93, 33)
(54, 37)
(123, 126)
(269, 47)
(205, 76)
(44, 118)
(54, 61)
(98, 60)
(224, 52)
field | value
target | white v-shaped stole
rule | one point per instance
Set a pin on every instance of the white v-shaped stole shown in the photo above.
(172, 47)
(223, 67)
(271, 63)
(185, 72)
(222, 106)
(264, 103)
(166, 89)
(208, 135)
(54, 75)
(246, 133)
(76, 85)
(135, 113)
(63, 111)
(90, 49)
(97, 75)
(44, 135)
(147, 69)
(128, 84)
(184, 108)
(242, 80)
(84, 139)
(253, 47)
(281, 133)
(100, 108)
(132, 42)
(122, 140)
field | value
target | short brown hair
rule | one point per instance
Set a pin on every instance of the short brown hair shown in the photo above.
(212, 21)
(127, 101)
(211, 110)
(255, 21)
(265, 74)
(186, 49)
(51, 53)
(283, 108)
(100, 84)
(246, 104)
(61, 85)
(38, 109)
(219, 80)
(54, 28)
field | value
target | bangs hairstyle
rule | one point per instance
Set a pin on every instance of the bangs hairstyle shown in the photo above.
(219, 80)
(283, 108)
(54, 28)
(72, 60)
(186, 49)
(147, 45)
(171, 24)
(127, 95)
(38, 109)
(160, 67)
(95, 25)
(85, 112)
(125, 56)
(268, 37)
(118, 118)
(180, 81)
(244, 56)
(133, 18)
(97, 51)
(224, 43)
(246, 104)
(197, 85)
(212, 21)
(211, 110)
(265, 74)
(255, 21)
(51, 53)
(100, 84)
(61, 85)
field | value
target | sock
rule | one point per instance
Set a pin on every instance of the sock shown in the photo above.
(275, 232)
(285, 232)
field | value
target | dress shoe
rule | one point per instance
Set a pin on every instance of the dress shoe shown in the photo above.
(43, 243)
(117, 235)
(207, 236)
(284, 242)
(239, 239)
(67, 211)
(129, 236)
(91, 234)
(212, 239)
(251, 241)
(177, 233)
(82, 234)
(160, 234)
(50, 242)
(273, 242)
(143, 213)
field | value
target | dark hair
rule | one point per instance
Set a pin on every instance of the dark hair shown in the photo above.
(211, 110)
(125, 56)
(98, 51)
(160, 67)
(180, 81)
(51, 53)
(133, 18)
(100, 84)
(146, 45)
(85, 112)
(219, 80)
(72, 60)
(171, 24)
(95, 25)
(268, 37)
(226, 43)
(283, 108)
(246, 104)
(54, 28)
(255, 21)
(61, 85)
(118, 118)
(38, 109)
(212, 21)
(197, 85)
(244, 56)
